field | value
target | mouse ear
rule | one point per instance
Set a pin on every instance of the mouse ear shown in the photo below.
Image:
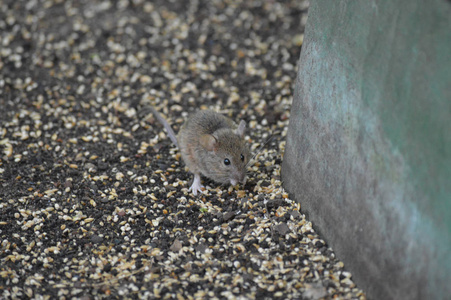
(209, 142)
(241, 128)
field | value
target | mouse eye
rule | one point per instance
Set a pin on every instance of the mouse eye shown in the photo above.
(226, 161)
(242, 157)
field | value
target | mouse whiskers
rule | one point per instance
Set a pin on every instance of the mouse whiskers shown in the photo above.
(253, 159)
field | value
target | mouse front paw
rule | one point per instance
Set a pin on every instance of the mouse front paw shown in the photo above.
(196, 186)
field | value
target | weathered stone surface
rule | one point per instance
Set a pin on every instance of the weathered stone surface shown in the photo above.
(368, 150)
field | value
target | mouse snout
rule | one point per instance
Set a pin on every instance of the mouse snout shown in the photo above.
(238, 177)
(242, 178)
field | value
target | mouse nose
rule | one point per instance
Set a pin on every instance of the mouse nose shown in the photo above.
(240, 177)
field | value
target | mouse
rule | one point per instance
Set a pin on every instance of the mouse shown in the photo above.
(211, 145)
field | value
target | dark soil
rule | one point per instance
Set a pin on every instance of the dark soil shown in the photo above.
(94, 199)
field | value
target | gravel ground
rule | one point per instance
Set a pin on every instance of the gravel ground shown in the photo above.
(94, 198)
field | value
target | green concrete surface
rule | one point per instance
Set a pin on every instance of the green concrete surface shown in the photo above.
(369, 144)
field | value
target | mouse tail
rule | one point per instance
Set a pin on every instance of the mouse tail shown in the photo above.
(166, 125)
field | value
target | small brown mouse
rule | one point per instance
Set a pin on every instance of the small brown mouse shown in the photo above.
(212, 145)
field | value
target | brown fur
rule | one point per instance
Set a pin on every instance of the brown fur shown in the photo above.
(207, 139)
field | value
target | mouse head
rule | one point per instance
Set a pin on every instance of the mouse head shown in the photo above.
(227, 155)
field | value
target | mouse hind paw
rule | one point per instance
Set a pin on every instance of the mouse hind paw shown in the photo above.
(196, 186)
